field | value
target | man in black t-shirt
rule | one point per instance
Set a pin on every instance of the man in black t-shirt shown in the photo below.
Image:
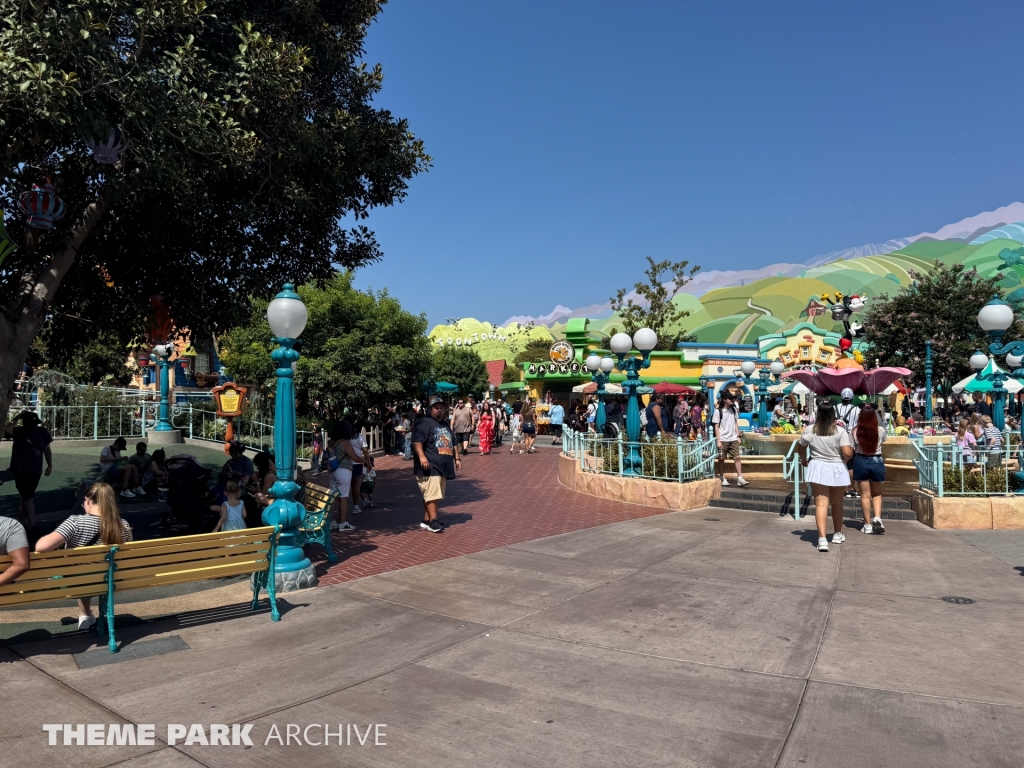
(435, 461)
(31, 445)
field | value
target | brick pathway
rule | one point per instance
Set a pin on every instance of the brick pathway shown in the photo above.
(497, 500)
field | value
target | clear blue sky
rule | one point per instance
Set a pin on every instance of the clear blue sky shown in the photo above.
(571, 139)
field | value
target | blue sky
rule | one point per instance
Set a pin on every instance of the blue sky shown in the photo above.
(572, 139)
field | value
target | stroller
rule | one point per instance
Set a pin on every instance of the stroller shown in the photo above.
(188, 495)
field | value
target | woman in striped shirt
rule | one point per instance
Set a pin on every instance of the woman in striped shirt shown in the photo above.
(101, 524)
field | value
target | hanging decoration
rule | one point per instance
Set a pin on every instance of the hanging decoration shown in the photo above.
(7, 245)
(109, 152)
(41, 205)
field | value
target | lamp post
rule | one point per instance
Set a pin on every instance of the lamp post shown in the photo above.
(644, 340)
(978, 362)
(600, 368)
(995, 318)
(928, 380)
(162, 352)
(287, 316)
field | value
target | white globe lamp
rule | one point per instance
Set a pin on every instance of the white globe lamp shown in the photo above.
(593, 363)
(645, 339)
(607, 364)
(621, 343)
(995, 316)
(748, 367)
(778, 368)
(979, 360)
(287, 314)
(1013, 361)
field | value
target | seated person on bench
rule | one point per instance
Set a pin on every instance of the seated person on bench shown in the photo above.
(128, 475)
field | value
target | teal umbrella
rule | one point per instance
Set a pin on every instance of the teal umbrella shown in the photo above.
(444, 386)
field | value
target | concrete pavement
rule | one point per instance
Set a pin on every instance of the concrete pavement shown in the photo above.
(713, 637)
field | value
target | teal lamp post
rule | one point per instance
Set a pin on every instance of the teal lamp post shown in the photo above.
(621, 344)
(287, 316)
(600, 368)
(995, 318)
(162, 352)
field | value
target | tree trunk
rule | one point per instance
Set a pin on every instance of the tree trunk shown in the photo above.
(23, 318)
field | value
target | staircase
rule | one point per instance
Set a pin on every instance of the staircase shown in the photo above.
(781, 503)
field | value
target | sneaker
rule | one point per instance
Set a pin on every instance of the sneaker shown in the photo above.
(838, 538)
(425, 525)
(367, 504)
(335, 526)
(741, 481)
(434, 527)
(877, 523)
(86, 622)
(438, 521)
(140, 491)
(355, 511)
(823, 544)
(346, 526)
(724, 481)
(867, 529)
(127, 494)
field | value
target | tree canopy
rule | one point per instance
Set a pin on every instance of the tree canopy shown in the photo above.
(359, 349)
(940, 306)
(250, 137)
(463, 367)
(655, 309)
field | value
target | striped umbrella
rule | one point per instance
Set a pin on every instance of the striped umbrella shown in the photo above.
(41, 205)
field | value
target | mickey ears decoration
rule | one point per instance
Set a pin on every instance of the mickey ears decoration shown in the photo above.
(41, 205)
(109, 152)
(7, 245)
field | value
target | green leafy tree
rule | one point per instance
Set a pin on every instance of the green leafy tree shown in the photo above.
(511, 373)
(537, 351)
(463, 367)
(359, 349)
(655, 309)
(250, 134)
(98, 358)
(940, 306)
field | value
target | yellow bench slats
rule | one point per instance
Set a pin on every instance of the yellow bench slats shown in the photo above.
(264, 531)
(49, 596)
(25, 584)
(161, 581)
(203, 556)
(165, 575)
(170, 546)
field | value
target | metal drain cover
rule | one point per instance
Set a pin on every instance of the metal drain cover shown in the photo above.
(957, 600)
(713, 519)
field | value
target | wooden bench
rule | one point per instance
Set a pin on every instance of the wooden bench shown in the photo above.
(316, 525)
(105, 570)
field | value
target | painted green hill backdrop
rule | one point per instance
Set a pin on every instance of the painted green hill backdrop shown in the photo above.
(740, 314)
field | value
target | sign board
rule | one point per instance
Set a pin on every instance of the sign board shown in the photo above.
(230, 399)
(561, 352)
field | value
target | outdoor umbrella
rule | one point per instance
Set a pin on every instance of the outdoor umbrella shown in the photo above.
(971, 383)
(792, 388)
(591, 388)
(668, 388)
(444, 386)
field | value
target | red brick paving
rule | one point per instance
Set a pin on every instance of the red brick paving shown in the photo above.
(495, 501)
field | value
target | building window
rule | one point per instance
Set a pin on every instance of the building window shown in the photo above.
(805, 353)
(786, 356)
(824, 355)
(202, 363)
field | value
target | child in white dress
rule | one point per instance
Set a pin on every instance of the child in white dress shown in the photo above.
(232, 511)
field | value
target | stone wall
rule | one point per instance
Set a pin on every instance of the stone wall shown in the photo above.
(968, 512)
(649, 493)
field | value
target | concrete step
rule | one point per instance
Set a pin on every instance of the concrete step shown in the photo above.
(781, 503)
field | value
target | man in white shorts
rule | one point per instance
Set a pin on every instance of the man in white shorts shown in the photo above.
(727, 435)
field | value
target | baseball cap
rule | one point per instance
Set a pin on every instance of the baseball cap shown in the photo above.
(846, 394)
(436, 401)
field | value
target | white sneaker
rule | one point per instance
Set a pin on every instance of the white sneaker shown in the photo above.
(140, 491)
(355, 511)
(335, 526)
(724, 481)
(877, 523)
(741, 481)
(838, 538)
(85, 622)
(823, 544)
(867, 529)
(346, 526)
(127, 494)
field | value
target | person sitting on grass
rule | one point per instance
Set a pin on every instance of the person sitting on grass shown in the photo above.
(140, 459)
(101, 524)
(114, 472)
(232, 511)
(155, 474)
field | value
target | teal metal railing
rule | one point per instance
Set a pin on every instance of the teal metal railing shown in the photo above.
(949, 470)
(670, 460)
(793, 471)
(89, 422)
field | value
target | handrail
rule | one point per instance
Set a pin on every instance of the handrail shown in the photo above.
(649, 459)
(792, 469)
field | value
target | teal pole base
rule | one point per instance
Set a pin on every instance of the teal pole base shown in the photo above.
(632, 462)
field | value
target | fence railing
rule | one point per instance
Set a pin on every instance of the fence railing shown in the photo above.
(89, 422)
(950, 470)
(793, 472)
(672, 459)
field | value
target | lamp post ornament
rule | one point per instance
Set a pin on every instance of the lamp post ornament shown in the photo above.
(995, 318)
(600, 368)
(287, 316)
(162, 352)
(644, 340)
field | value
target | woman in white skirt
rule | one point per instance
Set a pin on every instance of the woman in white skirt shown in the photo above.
(830, 449)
